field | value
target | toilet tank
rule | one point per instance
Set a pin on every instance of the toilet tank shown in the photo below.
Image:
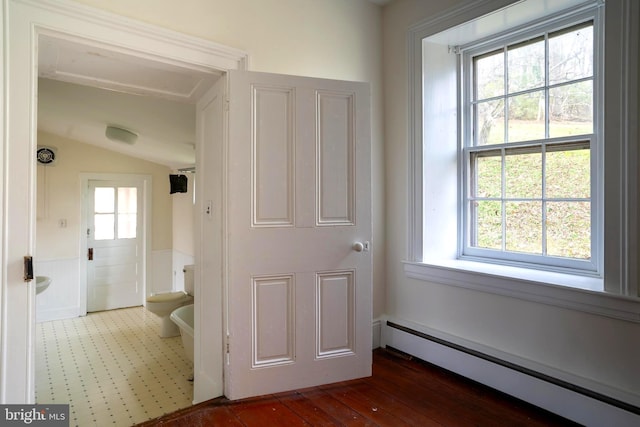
(188, 278)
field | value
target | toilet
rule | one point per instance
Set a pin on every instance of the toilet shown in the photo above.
(163, 304)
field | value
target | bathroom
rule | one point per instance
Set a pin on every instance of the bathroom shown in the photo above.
(83, 155)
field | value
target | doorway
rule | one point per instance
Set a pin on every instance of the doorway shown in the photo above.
(326, 329)
(116, 251)
(96, 30)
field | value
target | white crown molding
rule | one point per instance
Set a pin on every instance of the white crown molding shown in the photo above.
(223, 57)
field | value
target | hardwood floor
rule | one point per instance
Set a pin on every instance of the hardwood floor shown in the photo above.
(401, 392)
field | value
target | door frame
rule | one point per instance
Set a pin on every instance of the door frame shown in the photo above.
(21, 23)
(146, 183)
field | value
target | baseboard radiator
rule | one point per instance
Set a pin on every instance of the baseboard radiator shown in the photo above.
(558, 396)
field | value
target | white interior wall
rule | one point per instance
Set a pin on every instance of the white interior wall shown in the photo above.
(598, 349)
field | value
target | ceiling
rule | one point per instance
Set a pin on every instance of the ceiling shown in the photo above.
(84, 88)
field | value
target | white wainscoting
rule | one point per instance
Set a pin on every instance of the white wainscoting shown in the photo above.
(180, 259)
(161, 272)
(61, 300)
(578, 399)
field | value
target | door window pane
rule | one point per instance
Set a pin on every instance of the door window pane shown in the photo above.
(104, 226)
(104, 200)
(127, 199)
(127, 212)
(104, 218)
(127, 226)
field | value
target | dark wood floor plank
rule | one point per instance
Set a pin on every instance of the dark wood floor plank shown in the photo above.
(342, 413)
(219, 416)
(401, 392)
(470, 400)
(452, 397)
(306, 409)
(355, 396)
(211, 413)
(266, 412)
(441, 403)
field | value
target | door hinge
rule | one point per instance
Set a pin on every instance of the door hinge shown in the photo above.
(28, 268)
(226, 103)
(227, 346)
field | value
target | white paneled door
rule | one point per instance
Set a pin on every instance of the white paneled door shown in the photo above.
(299, 222)
(114, 245)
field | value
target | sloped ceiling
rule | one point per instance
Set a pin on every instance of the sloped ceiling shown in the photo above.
(82, 89)
(165, 129)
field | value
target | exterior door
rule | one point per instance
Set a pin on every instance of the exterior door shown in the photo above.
(299, 220)
(115, 245)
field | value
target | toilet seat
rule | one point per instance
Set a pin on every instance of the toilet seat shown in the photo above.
(167, 297)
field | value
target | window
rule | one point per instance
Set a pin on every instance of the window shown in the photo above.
(528, 138)
(497, 89)
(115, 212)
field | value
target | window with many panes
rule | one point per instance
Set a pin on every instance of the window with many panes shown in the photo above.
(530, 147)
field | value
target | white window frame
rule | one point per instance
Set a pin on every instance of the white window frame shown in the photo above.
(434, 198)
(593, 266)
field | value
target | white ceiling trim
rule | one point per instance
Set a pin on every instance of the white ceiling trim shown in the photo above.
(196, 53)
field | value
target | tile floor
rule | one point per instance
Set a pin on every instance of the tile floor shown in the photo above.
(112, 368)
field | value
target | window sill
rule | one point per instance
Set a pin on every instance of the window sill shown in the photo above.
(557, 289)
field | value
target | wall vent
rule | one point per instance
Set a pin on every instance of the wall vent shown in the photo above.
(46, 155)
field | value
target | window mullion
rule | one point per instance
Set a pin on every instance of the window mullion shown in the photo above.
(544, 197)
(544, 145)
(546, 86)
(503, 196)
(505, 116)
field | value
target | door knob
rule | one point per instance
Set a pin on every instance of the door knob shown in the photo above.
(360, 246)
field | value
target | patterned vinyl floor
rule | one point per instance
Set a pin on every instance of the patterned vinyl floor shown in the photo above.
(112, 368)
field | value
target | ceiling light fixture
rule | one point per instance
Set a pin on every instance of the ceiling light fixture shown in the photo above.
(115, 133)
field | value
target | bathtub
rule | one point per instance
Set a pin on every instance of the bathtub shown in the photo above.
(183, 317)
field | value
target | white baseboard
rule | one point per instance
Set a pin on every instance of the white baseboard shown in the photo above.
(538, 388)
(56, 314)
